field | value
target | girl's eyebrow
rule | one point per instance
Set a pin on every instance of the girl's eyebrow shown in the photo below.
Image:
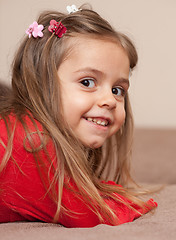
(123, 81)
(92, 70)
(100, 73)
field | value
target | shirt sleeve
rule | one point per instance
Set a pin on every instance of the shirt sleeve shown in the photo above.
(84, 217)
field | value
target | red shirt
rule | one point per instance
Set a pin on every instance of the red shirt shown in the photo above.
(23, 196)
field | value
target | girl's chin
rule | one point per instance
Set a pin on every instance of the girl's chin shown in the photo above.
(93, 145)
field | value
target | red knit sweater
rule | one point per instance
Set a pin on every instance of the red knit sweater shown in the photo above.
(23, 196)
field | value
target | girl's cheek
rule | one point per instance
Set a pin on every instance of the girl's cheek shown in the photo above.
(120, 119)
(123, 116)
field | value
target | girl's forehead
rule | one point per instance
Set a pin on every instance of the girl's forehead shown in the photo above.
(96, 54)
(78, 41)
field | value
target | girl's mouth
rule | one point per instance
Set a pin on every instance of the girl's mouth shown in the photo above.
(98, 121)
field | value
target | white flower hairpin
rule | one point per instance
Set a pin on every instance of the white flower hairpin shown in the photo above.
(72, 9)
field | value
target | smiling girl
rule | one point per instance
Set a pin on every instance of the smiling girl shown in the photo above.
(95, 87)
(68, 125)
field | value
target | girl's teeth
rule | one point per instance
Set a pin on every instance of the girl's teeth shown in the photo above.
(103, 123)
(99, 122)
(89, 119)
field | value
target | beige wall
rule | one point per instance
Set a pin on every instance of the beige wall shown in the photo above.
(152, 26)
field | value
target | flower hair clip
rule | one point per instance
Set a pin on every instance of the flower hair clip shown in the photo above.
(35, 30)
(57, 28)
(72, 9)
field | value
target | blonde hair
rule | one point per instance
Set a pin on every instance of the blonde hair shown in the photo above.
(36, 90)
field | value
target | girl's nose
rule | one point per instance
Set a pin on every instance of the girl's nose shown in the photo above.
(106, 99)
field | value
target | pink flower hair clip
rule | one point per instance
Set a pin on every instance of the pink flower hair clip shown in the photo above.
(35, 30)
(57, 28)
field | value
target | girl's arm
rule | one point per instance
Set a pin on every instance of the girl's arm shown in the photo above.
(23, 195)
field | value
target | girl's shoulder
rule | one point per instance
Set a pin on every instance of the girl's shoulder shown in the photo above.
(26, 135)
(18, 127)
(13, 119)
(19, 121)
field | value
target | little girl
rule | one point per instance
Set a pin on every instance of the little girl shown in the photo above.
(67, 127)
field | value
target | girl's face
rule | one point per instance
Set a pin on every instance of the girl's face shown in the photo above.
(94, 80)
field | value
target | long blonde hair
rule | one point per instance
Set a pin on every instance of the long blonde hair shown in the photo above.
(36, 91)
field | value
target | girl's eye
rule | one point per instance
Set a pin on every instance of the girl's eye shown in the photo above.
(90, 83)
(118, 91)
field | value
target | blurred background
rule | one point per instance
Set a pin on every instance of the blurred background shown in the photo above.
(150, 24)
